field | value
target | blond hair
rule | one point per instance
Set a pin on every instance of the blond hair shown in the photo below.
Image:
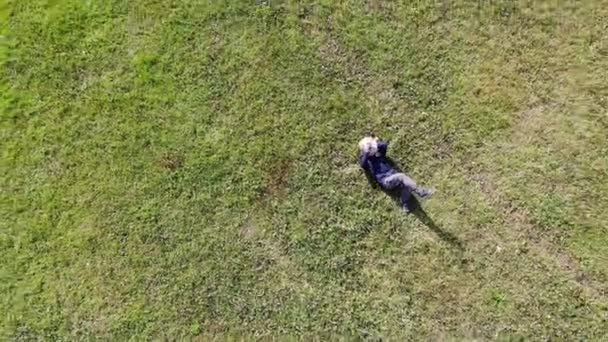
(368, 145)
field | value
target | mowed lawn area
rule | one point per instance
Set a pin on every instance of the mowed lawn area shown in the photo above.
(188, 169)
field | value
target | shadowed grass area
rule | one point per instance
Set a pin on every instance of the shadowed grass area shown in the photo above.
(181, 169)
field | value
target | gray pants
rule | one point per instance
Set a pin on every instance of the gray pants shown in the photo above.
(407, 186)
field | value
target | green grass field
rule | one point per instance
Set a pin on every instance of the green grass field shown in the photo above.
(188, 169)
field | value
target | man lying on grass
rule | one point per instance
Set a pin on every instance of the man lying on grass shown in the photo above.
(378, 167)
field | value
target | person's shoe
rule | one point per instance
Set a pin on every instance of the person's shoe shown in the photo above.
(426, 193)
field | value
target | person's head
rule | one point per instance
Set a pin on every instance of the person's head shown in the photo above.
(369, 146)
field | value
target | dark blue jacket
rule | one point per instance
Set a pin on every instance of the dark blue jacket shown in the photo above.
(378, 166)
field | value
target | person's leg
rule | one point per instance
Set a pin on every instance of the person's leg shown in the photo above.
(398, 180)
(406, 200)
(402, 180)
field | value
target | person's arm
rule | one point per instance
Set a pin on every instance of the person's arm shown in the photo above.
(363, 161)
(382, 147)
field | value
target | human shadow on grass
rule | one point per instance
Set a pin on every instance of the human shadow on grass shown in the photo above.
(416, 209)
